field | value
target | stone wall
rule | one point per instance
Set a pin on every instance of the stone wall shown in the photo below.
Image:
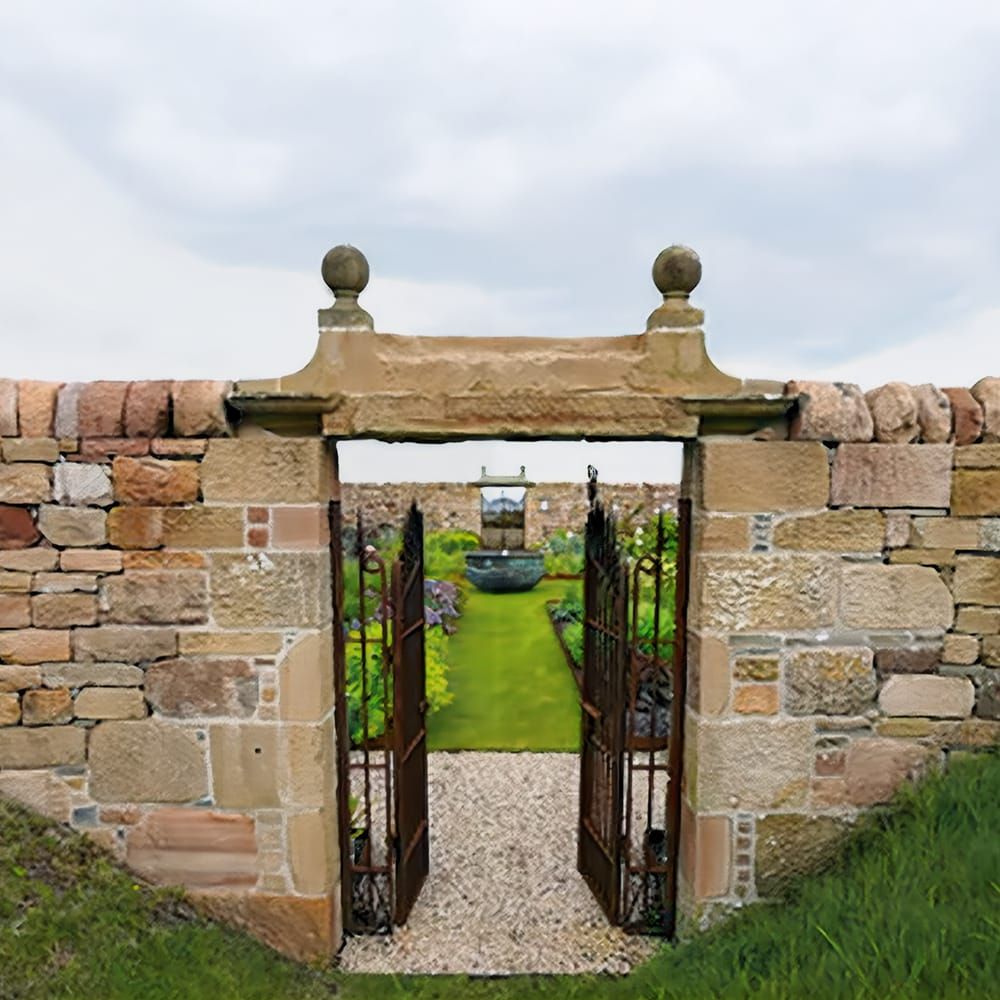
(844, 625)
(165, 648)
(551, 507)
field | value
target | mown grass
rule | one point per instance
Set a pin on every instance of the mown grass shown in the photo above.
(912, 910)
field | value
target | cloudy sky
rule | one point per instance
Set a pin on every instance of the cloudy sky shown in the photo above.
(171, 175)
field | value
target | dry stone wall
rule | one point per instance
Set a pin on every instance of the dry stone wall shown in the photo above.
(165, 648)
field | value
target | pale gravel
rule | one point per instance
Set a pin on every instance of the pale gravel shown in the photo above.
(503, 895)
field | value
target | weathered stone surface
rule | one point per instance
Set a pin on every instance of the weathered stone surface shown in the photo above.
(245, 766)
(877, 766)
(300, 527)
(980, 456)
(103, 451)
(833, 531)
(751, 764)
(763, 475)
(907, 660)
(40, 791)
(755, 668)
(67, 422)
(63, 610)
(147, 409)
(978, 621)
(203, 527)
(986, 392)
(10, 709)
(991, 650)
(8, 408)
(933, 414)
(46, 707)
(894, 413)
(100, 409)
(164, 560)
(829, 681)
(309, 762)
(73, 526)
(312, 840)
(15, 583)
(36, 405)
(944, 533)
(905, 728)
(977, 580)
(976, 491)
(80, 675)
(897, 529)
(17, 528)
(19, 677)
(25, 482)
(922, 557)
(960, 649)
(305, 678)
(155, 481)
(64, 583)
(927, 696)
(756, 699)
(744, 593)
(892, 475)
(231, 643)
(966, 414)
(29, 560)
(46, 746)
(278, 588)
(878, 596)
(117, 643)
(194, 847)
(185, 688)
(136, 527)
(199, 408)
(34, 449)
(989, 534)
(156, 597)
(34, 645)
(178, 447)
(147, 761)
(90, 561)
(988, 696)
(266, 470)
(708, 674)
(722, 533)
(789, 847)
(109, 703)
(829, 411)
(82, 484)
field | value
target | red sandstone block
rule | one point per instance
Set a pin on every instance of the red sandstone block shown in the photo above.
(147, 409)
(155, 481)
(17, 528)
(967, 415)
(199, 408)
(178, 447)
(8, 408)
(102, 408)
(36, 404)
(102, 450)
(136, 527)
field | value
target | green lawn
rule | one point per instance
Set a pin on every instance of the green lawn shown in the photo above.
(512, 687)
(912, 911)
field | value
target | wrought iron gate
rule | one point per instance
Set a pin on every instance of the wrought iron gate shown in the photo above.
(381, 735)
(633, 709)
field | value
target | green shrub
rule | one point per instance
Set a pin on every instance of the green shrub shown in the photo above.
(563, 551)
(444, 553)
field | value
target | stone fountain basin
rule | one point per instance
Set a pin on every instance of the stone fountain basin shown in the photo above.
(503, 571)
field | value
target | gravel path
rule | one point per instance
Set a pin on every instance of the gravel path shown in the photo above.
(503, 895)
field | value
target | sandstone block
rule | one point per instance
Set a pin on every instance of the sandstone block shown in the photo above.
(64, 583)
(31, 449)
(109, 703)
(266, 470)
(178, 447)
(194, 847)
(966, 414)
(199, 408)
(36, 404)
(29, 560)
(147, 409)
(312, 840)
(790, 847)
(986, 392)
(203, 527)
(876, 767)
(67, 422)
(155, 481)
(755, 668)
(927, 696)
(103, 451)
(960, 649)
(117, 643)
(185, 688)
(10, 710)
(980, 456)
(709, 674)
(40, 791)
(829, 681)
(744, 593)
(90, 561)
(146, 761)
(300, 527)
(978, 621)
(156, 597)
(46, 707)
(894, 413)
(47, 746)
(922, 557)
(722, 533)
(976, 491)
(8, 408)
(15, 583)
(81, 675)
(989, 534)
(77, 483)
(100, 410)
(63, 610)
(18, 677)
(991, 651)
(73, 526)
(245, 766)
(25, 482)
(17, 528)
(136, 527)
(756, 699)
(164, 560)
(309, 763)
(933, 414)
(833, 531)
(15, 611)
(977, 580)
(897, 529)
(34, 645)
(877, 596)
(279, 588)
(763, 475)
(231, 643)
(829, 411)
(944, 533)
(890, 475)
(305, 678)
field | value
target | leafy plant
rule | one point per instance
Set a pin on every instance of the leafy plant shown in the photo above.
(444, 553)
(563, 552)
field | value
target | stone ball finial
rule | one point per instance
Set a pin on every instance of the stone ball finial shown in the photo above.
(676, 272)
(345, 269)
